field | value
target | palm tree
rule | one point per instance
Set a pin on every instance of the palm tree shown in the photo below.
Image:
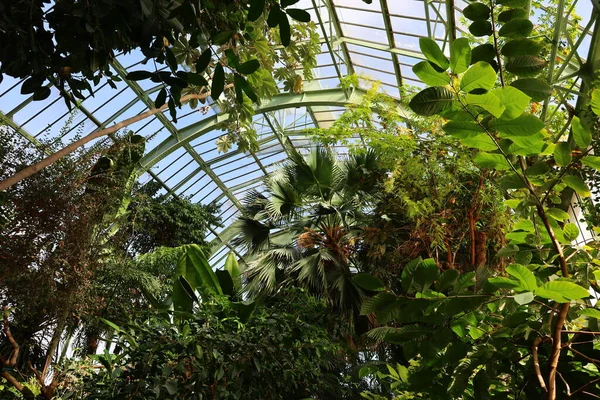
(306, 228)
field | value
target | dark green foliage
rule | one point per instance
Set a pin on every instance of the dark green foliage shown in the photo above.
(282, 352)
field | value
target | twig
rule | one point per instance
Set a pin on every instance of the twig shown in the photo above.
(536, 363)
(15, 354)
(566, 384)
(584, 386)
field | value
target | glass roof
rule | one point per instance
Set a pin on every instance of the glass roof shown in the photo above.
(378, 41)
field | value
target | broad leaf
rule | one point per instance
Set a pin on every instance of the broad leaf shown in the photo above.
(484, 52)
(522, 47)
(481, 27)
(285, 32)
(562, 291)
(570, 231)
(249, 67)
(511, 14)
(524, 125)
(232, 266)
(134, 76)
(298, 14)
(516, 28)
(590, 312)
(504, 283)
(431, 50)
(562, 153)
(475, 11)
(218, 82)
(514, 3)
(523, 275)
(513, 99)
(591, 161)
(256, 9)
(534, 87)
(487, 101)
(581, 133)
(525, 65)
(524, 298)
(429, 75)
(460, 54)
(368, 282)
(492, 161)
(470, 134)
(577, 184)
(480, 76)
(558, 214)
(431, 101)
(595, 102)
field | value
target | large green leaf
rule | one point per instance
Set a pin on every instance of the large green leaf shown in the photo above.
(578, 185)
(524, 298)
(368, 282)
(492, 161)
(232, 266)
(595, 102)
(256, 9)
(557, 214)
(511, 14)
(525, 65)
(194, 268)
(562, 153)
(470, 134)
(460, 55)
(431, 50)
(431, 101)
(513, 99)
(218, 82)
(481, 27)
(526, 124)
(504, 283)
(591, 161)
(399, 335)
(581, 133)
(534, 87)
(476, 10)
(523, 275)
(516, 28)
(298, 14)
(514, 3)
(481, 75)
(285, 32)
(570, 231)
(429, 75)
(484, 52)
(562, 291)
(590, 312)
(522, 47)
(487, 101)
(418, 275)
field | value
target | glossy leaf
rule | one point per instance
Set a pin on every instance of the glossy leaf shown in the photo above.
(581, 133)
(570, 231)
(470, 134)
(249, 67)
(232, 266)
(523, 275)
(460, 54)
(536, 88)
(590, 312)
(480, 76)
(516, 28)
(431, 50)
(504, 283)
(561, 291)
(429, 75)
(431, 101)
(256, 9)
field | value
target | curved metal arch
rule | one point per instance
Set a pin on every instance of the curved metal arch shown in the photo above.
(324, 97)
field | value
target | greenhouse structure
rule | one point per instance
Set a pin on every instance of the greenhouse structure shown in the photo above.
(299, 199)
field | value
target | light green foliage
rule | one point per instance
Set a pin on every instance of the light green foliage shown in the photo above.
(474, 332)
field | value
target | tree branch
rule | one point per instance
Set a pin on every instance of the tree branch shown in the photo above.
(51, 159)
(536, 363)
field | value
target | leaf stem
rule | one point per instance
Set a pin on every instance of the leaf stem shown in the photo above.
(495, 36)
